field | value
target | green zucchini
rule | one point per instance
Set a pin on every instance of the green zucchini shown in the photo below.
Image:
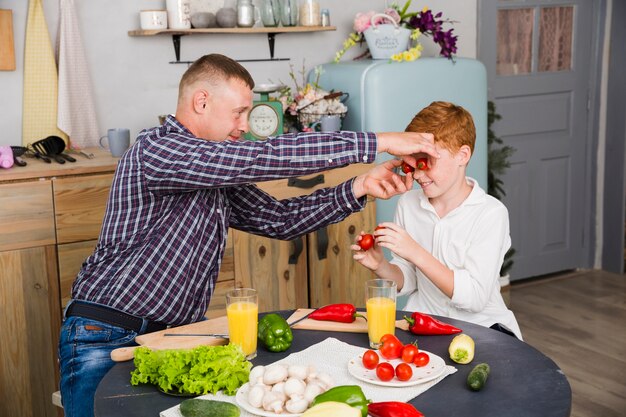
(477, 378)
(195, 407)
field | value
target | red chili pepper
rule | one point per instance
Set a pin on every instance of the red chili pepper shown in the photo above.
(344, 313)
(393, 409)
(423, 324)
(422, 164)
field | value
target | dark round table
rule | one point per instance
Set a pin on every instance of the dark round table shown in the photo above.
(523, 381)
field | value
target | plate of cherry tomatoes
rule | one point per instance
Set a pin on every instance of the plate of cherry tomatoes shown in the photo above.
(411, 368)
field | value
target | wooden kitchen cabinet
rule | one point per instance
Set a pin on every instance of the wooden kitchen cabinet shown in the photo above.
(298, 273)
(50, 217)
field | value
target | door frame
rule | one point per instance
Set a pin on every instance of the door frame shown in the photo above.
(614, 191)
(486, 27)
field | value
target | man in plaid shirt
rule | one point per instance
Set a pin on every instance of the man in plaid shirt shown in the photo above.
(176, 192)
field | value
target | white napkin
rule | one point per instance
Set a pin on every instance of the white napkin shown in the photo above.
(332, 356)
(76, 109)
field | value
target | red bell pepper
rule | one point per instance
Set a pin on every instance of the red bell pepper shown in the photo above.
(423, 324)
(343, 313)
(393, 409)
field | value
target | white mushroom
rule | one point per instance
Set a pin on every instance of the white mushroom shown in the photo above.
(312, 374)
(256, 374)
(294, 386)
(297, 404)
(298, 371)
(272, 402)
(280, 387)
(274, 374)
(255, 395)
(312, 390)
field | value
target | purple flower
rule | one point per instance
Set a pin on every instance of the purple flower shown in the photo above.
(431, 25)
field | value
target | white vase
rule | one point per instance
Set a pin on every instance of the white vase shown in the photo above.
(178, 14)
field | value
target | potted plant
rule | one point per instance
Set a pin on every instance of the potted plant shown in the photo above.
(497, 162)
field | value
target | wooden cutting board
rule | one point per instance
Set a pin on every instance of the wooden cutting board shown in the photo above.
(159, 341)
(7, 49)
(358, 326)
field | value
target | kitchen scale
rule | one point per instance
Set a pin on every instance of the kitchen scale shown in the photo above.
(266, 117)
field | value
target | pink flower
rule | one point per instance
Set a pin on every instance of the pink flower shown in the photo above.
(362, 21)
(393, 13)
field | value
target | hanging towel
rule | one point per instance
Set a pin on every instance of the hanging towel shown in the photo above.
(77, 114)
(40, 79)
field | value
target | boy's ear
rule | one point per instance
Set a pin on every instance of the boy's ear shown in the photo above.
(463, 155)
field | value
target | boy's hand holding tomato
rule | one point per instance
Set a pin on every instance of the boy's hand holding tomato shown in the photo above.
(397, 240)
(372, 257)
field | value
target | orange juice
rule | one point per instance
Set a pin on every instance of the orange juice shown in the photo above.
(381, 318)
(243, 319)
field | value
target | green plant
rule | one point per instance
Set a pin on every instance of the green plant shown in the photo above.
(497, 162)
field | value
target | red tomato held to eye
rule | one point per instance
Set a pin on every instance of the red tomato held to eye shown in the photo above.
(422, 164)
(406, 168)
(409, 352)
(391, 348)
(404, 372)
(366, 242)
(370, 359)
(385, 371)
(421, 359)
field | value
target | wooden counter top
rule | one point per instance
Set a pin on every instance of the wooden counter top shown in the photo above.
(36, 168)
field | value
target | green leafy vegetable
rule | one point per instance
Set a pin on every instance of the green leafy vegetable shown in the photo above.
(192, 371)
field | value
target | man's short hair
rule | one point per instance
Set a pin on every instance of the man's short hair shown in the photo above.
(451, 125)
(214, 69)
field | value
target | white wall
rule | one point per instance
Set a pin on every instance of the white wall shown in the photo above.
(133, 82)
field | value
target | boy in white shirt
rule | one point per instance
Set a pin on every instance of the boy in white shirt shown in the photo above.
(449, 237)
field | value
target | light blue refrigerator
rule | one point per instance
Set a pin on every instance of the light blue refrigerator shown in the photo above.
(385, 96)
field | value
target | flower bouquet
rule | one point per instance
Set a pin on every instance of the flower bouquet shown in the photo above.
(423, 22)
(309, 102)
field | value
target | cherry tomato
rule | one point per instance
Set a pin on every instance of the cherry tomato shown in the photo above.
(366, 242)
(389, 336)
(422, 164)
(385, 371)
(409, 352)
(370, 359)
(421, 359)
(406, 168)
(403, 372)
(391, 347)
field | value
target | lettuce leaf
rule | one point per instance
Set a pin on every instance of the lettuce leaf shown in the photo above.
(196, 371)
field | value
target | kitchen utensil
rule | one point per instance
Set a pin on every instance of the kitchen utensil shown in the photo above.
(56, 145)
(7, 47)
(357, 326)
(158, 340)
(87, 155)
(17, 152)
(38, 155)
(44, 150)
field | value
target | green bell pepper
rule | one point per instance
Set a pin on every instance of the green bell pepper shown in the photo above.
(275, 333)
(350, 394)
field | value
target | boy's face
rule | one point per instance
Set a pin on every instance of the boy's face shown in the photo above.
(444, 176)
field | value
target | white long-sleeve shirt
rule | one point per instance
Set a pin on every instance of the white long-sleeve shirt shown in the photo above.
(471, 240)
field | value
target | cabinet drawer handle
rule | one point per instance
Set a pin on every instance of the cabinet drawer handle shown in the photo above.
(322, 243)
(310, 183)
(298, 246)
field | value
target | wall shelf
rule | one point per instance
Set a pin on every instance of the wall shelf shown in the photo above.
(270, 31)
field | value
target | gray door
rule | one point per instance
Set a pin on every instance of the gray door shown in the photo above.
(538, 56)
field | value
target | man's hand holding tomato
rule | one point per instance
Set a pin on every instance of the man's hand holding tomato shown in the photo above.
(382, 181)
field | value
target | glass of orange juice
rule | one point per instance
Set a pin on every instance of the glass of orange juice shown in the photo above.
(381, 309)
(242, 310)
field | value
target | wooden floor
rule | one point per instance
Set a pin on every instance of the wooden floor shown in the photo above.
(579, 321)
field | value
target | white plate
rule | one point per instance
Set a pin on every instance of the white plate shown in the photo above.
(435, 367)
(242, 400)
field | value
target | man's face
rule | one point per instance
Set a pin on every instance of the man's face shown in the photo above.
(228, 108)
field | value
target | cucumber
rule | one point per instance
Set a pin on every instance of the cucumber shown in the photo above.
(477, 378)
(195, 407)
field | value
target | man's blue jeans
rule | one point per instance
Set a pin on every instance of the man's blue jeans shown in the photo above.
(84, 354)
